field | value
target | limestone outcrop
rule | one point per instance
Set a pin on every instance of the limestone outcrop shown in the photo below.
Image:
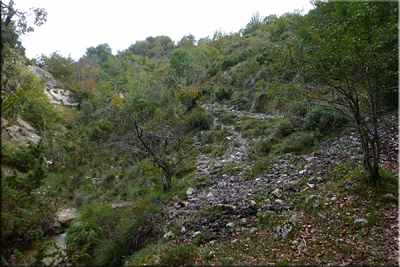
(20, 131)
(55, 91)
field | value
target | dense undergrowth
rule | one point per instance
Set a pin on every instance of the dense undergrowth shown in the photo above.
(95, 162)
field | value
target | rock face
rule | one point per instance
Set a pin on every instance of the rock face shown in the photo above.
(55, 91)
(20, 131)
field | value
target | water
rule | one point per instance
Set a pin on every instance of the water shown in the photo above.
(60, 242)
(58, 238)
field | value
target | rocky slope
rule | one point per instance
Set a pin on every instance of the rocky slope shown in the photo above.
(227, 206)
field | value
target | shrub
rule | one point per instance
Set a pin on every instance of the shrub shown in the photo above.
(105, 125)
(323, 119)
(223, 93)
(82, 234)
(213, 70)
(109, 253)
(298, 142)
(258, 168)
(262, 147)
(200, 119)
(23, 158)
(284, 128)
(178, 256)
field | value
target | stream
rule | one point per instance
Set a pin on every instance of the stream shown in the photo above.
(59, 238)
(60, 242)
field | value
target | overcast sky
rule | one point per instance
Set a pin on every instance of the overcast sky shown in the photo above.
(72, 26)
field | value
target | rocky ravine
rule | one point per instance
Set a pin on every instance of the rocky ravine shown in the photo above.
(237, 203)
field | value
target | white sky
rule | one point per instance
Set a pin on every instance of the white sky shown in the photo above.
(72, 26)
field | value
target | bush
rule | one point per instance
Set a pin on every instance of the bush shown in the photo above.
(223, 93)
(298, 142)
(284, 128)
(262, 147)
(23, 158)
(200, 119)
(213, 70)
(256, 170)
(178, 256)
(109, 253)
(323, 119)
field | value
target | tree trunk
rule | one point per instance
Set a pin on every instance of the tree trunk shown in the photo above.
(366, 152)
(168, 183)
(364, 138)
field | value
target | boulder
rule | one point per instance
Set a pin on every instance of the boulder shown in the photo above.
(66, 215)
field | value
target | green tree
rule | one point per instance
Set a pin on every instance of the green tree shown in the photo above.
(13, 24)
(350, 53)
(60, 67)
(180, 61)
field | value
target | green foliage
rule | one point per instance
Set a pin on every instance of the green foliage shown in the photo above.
(298, 142)
(23, 158)
(222, 93)
(109, 253)
(105, 125)
(177, 256)
(229, 62)
(200, 119)
(323, 119)
(284, 127)
(180, 61)
(254, 24)
(20, 209)
(60, 67)
(261, 147)
(258, 168)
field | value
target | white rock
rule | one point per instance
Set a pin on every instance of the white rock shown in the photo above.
(278, 201)
(310, 185)
(168, 235)
(277, 192)
(360, 221)
(196, 233)
(183, 230)
(231, 224)
(333, 198)
(310, 197)
(190, 191)
(253, 230)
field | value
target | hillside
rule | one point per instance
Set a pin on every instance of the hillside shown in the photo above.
(275, 145)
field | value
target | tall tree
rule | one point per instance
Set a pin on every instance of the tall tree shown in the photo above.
(350, 53)
(13, 24)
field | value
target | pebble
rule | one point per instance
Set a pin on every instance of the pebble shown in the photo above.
(168, 235)
(360, 221)
(231, 224)
(311, 185)
(253, 230)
